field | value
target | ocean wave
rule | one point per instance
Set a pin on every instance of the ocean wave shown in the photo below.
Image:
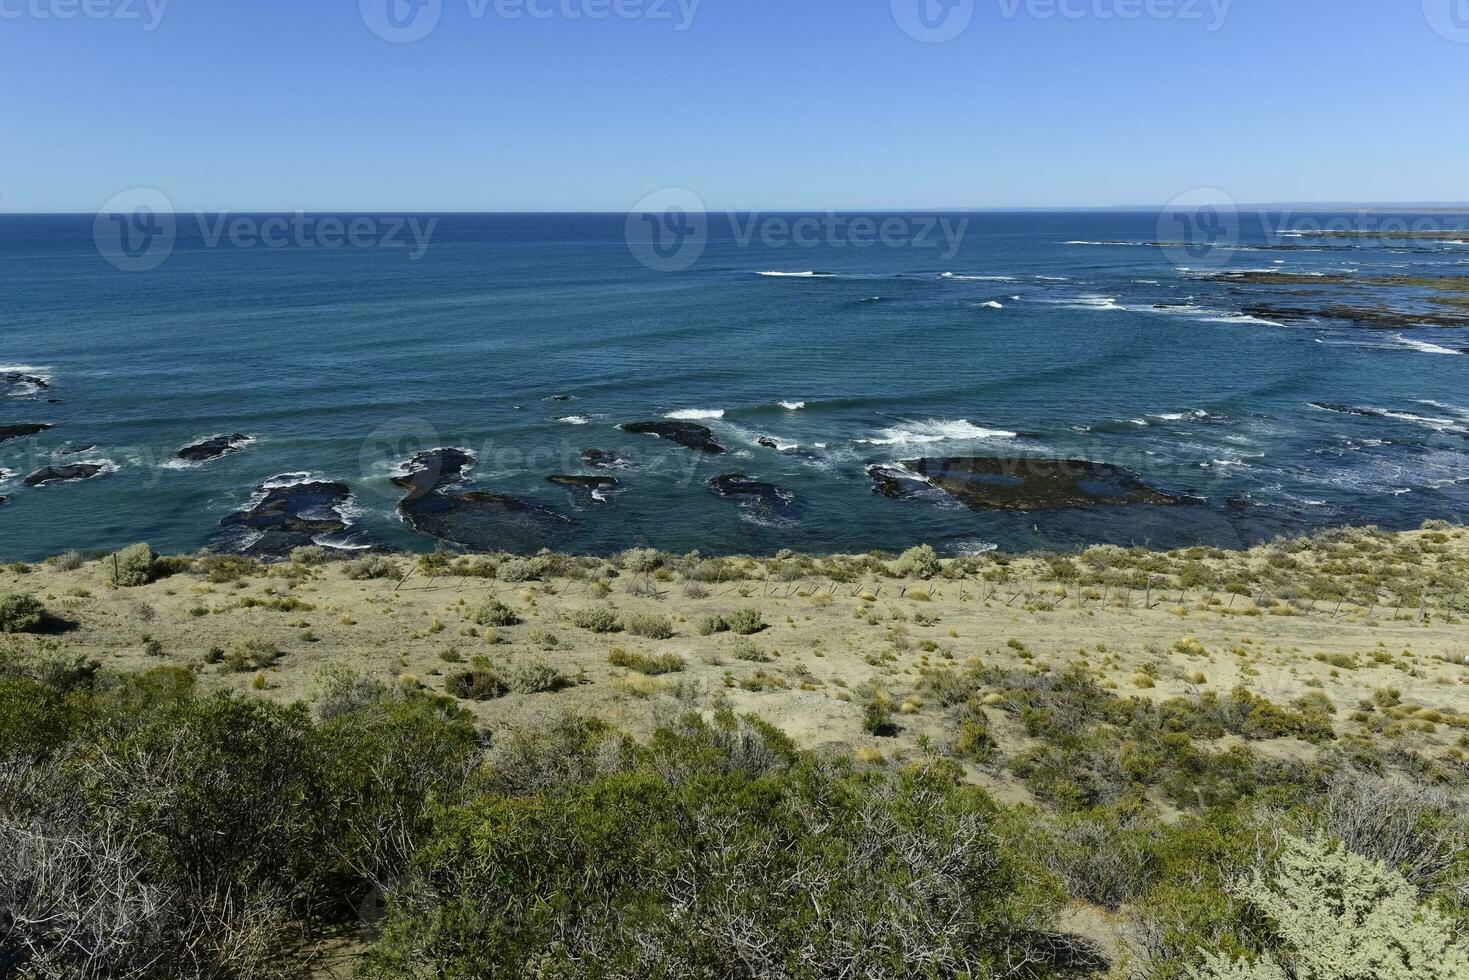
(574, 420)
(956, 276)
(1423, 345)
(935, 430)
(792, 406)
(797, 275)
(696, 414)
(993, 305)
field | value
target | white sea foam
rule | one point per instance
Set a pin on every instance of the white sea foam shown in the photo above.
(792, 406)
(1423, 345)
(993, 305)
(935, 430)
(795, 275)
(956, 276)
(696, 414)
(575, 420)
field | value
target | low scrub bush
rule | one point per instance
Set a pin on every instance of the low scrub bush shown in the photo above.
(651, 625)
(250, 655)
(745, 622)
(493, 612)
(371, 567)
(668, 663)
(597, 619)
(20, 613)
(130, 567)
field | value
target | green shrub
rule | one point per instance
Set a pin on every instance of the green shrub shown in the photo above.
(597, 619)
(130, 567)
(920, 562)
(746, 622)
(371, 567)
(1334, 915)
(668, 663)
(877, 710)
(651, 625)
(536, 677)
(479, 684)
(710, 625)
(249, 655)
(908, 863)
(67, 562)
(750, 651)
(641, 560)
(310, 554)
(518, 570)
(974, 741)
(20, 613)
(493, 612)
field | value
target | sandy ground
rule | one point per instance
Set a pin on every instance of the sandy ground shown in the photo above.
(823, 640)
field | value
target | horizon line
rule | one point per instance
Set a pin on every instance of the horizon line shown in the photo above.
(1406, 206)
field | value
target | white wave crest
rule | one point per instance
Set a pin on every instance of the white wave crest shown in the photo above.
(1423, 345)
(695, 414)
(935, 430)
(792, 406)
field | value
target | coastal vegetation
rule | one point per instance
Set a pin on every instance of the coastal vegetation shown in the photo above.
(1114, 763)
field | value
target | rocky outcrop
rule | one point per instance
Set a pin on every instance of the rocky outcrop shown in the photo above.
(690, 435)
(63, 474)
(290, 513)
(21, 431)
(603, 460)
(213, 448)
(1024, 484)
(739, 486)
(587, 489)
(474, 519)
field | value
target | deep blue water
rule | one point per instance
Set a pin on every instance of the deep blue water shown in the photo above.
(341, 362)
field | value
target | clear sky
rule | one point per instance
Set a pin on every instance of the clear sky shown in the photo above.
(761, 104)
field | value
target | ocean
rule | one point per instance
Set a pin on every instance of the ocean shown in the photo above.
(1223, 372)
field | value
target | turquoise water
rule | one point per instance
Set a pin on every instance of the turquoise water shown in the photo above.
(342, 362)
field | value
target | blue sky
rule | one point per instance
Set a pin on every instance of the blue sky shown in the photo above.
(768, 104)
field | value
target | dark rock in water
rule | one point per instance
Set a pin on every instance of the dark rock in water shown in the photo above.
(3, 500)
(63, 474)
(767, 442)
(559, 398)
(21, 431)
(897, 483)
(690, 435)
(289, 515)
(76, 451)
(433, 470)
(486, 521)
(483, 521)
(739, 485)
(213, 448)
(603, 460)
(588, 489)
(17, 384)
(1021, 483)
(1370, 413)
